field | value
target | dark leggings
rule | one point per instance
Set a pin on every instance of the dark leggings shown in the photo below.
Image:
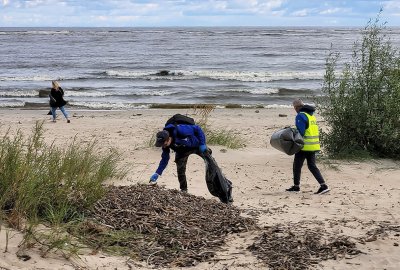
(181, 159)
(298, 164)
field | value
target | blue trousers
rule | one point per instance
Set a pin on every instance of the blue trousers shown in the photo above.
(62, 109)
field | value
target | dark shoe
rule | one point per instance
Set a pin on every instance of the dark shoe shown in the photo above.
(322, 189)
(184, 190)
(68, 121)
(293, 189)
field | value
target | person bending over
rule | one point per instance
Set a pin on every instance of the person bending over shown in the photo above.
(185, 140)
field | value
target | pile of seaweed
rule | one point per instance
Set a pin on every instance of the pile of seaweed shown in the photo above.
(301, 245)
(160, 226)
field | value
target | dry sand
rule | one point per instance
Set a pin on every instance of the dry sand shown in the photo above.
(361, 192)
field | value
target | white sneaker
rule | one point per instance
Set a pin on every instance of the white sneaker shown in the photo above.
(322, 189)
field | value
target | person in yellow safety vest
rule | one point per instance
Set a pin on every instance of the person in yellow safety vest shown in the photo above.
(306, 124)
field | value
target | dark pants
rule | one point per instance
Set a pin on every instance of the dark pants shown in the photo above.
(298, 164)
(181, 158)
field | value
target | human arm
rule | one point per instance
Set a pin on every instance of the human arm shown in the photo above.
(164, 160)
(201, 137)
(301, 123)
(163, 164)
(52, 99)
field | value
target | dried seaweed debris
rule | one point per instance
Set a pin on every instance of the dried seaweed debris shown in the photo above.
(162, 227)
(298, 247)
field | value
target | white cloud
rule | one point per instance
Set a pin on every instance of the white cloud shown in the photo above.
(34, 3)
(391, 6)
(193, 12)
(331, 11)
(301, 12)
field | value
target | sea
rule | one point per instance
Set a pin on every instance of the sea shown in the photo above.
(129, 68)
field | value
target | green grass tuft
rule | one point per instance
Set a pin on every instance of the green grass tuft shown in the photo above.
(40, 182)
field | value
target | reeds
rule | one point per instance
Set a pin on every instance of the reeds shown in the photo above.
(220, 136)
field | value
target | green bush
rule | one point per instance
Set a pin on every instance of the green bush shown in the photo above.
(362, 105)
(43, 182)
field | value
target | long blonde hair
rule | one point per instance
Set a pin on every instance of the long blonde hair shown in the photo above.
(55, 84)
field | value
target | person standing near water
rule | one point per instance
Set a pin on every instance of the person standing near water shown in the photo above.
(57, 101)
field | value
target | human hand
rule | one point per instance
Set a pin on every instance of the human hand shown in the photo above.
(202, 148)
(153, 179)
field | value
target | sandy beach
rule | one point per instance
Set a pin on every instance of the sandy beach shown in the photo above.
(362, 193)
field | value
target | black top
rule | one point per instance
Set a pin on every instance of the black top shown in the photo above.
(57, 98)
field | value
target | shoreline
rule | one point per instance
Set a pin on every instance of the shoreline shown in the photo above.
(135, 106)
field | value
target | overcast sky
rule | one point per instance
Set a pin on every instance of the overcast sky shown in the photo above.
(137, 13)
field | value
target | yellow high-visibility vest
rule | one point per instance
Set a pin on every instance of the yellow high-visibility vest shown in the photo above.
(311, 135)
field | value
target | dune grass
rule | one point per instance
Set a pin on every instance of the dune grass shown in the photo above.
(221, 136)
(44, 183)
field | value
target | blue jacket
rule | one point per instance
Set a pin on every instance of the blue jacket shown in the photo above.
(302, 120)
(184, 138)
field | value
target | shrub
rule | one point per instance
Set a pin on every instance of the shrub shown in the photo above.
(361, 107)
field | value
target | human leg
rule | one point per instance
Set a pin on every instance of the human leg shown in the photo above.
(181, 163)
(181, 158)
(297, 165)
(62, 109)
(53, 112)
(311, 164)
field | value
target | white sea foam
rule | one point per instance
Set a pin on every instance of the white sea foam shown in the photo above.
(28, 78)
(109, 105)
(274, 106)
(28, 93)
(11, 104)
(221, 75)
(260, 91)
(88, 94)
(258, 76)
(127, 73)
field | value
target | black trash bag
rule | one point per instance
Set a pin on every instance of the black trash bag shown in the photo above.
(178, 119)
(287, 140)
(218, 185)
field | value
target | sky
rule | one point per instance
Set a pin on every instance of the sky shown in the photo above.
(160, 13)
